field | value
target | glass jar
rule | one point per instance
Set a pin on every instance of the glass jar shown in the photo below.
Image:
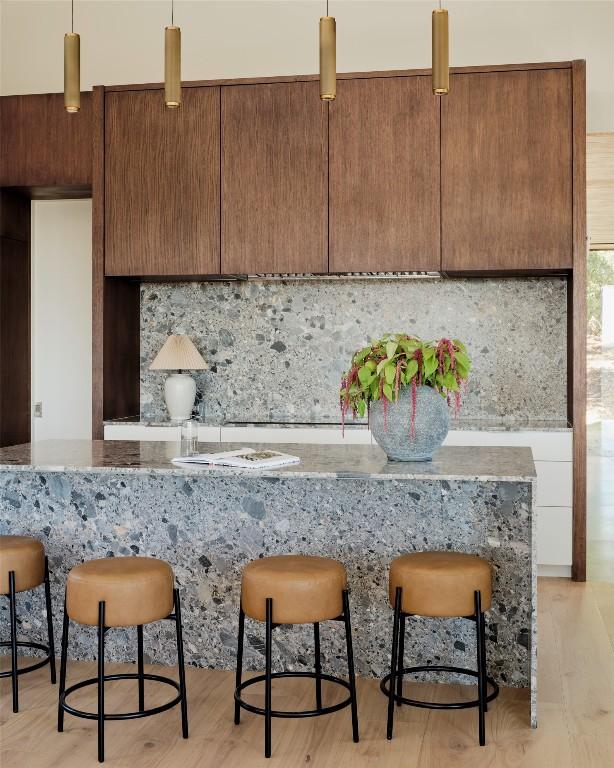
(189, 437)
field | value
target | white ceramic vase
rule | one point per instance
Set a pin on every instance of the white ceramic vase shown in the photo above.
(180, 393)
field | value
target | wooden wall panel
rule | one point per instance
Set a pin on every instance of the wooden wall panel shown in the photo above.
(506, 178)
(15, 398)
(577, 338)
(41, 145)
(384, 176)
(115, 311)
(274, 179)
(162, 203)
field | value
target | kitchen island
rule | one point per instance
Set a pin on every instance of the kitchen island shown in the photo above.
(88, 499)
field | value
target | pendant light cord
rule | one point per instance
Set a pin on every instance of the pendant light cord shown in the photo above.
(173, 12)
(72, 15)
(327, 7)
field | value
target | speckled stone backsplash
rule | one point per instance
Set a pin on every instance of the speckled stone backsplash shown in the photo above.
(277, 349)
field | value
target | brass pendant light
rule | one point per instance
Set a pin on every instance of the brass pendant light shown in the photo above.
(328, 57)
(72, 66)
(441, 52)
(172, 63)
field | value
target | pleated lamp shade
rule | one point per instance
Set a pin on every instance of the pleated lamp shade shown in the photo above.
(178, 354)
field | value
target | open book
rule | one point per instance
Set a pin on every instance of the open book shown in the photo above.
(247, 458)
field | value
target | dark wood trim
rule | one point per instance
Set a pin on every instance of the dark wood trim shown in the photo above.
(343, 76)
(578, 336)
(512, 273)
(98, 263)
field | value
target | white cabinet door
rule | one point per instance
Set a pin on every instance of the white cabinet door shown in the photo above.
(554, 535)
(141, 432)
(314, 435)
(546, 446)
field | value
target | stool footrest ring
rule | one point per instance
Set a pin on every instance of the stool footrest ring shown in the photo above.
(384, 686)
(30, 667)
(125, 715)
(302, 713)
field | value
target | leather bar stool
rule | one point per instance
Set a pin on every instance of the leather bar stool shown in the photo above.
(294, 589)
(439, 585)
(23, 566)
(121, 592)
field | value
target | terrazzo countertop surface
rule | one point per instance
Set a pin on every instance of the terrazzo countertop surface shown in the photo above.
(473, 425)
(321, 461)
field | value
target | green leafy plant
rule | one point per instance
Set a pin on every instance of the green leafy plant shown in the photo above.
(377, 372)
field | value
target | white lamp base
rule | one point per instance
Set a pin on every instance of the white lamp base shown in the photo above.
(180, 393)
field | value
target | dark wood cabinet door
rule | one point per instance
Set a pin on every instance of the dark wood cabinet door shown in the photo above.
(274, 179)
(506, 171)
(384, 175)
(42, 146)
(162, 183)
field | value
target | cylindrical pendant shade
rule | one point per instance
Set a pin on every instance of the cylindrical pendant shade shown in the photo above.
(172, 67)
(441, 64)
(72, 72)
(328, 58)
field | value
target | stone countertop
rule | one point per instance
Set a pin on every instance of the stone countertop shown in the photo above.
(473, 425)
(317, 461)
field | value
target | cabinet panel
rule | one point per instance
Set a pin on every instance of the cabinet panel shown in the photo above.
(162, 183)
(274, 179)
(14, 341)
(384, 175)
(506, 173)
(41, 145)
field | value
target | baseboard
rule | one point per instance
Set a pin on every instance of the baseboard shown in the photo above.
(561, 571)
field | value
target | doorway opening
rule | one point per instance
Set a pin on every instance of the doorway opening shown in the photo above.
(600, 415)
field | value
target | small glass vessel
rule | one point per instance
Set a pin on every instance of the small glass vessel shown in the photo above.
(189, 437)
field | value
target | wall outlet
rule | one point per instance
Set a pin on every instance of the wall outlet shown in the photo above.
(38, 410)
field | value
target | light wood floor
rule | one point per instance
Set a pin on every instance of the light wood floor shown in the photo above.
(576, 730)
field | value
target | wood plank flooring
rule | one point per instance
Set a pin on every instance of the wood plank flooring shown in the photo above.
(576, 714)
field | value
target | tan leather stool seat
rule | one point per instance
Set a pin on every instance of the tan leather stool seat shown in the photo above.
(440, 583)
(25, 556)
(304, 589)
(136, 590)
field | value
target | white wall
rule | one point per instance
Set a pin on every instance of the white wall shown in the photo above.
(62, 318)
(122, 40)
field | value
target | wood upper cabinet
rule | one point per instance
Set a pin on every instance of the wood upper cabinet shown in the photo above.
(274, 179)
(384, 175)
(162, 193)
(506, 175)
(42, 146)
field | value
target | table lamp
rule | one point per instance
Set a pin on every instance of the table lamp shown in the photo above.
(179, 354)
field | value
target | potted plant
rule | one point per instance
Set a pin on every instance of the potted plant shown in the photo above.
(405, 386)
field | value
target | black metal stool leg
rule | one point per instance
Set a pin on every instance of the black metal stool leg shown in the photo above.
(318, 665)
(479, 618)
(393, 660)
(239, 671)
(63, 654)
(350, 653)
(181, 664)
(13, 614)
(484, 669)
(141, 667)
(267, 680)
(101, 630)
(49, 623)
(401, 659)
